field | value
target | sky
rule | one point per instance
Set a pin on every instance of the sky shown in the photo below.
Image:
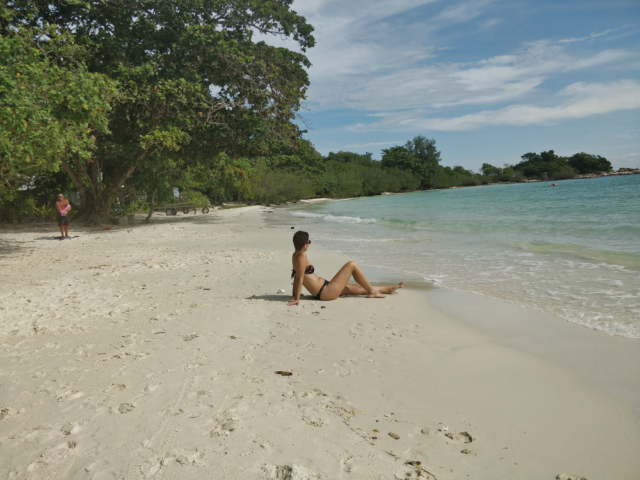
(489, 80)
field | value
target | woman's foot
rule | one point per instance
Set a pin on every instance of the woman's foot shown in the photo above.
(393, 288)
(375, 294)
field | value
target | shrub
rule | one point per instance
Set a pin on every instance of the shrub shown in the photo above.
(269, 187)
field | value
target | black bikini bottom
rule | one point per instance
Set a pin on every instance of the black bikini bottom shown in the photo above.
(317, 296)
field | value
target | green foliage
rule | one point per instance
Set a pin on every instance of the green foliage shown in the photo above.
(379, 180)
(305, 174)
(447, 177)
(352, 158)
(48, 185)
(419, 156)
(301, 157)
(222, 178)
(350, 174)
(343, 182)
(490, 170)
(424, 149)
(24, 204)
(192, 80)
(51, 106)
(508, 174)
(545, 166)
(195, 196)
(275, 187)
(135, 206)
(585, 163)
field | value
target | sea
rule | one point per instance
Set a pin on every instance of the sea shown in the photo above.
(570, 250)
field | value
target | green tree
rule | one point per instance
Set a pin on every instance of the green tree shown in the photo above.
(192, 79)
(51, 106)
(488, 169)
(401, 158)
(419, 156)
(352, 158)
(585, 163)
(275, 187)
(545, 166)
(297, 158)
(424, 149)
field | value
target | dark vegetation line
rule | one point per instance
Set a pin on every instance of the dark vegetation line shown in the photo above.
(116, 103)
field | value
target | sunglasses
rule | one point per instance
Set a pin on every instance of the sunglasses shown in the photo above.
(309, 242)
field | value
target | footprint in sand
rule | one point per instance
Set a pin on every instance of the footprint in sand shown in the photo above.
(8, 412)
(462, 437)
(126, 407)
(70, 428)
(189, 337)
(409, 473)
(284, 472)
(313, 421)
(118, 386)
(356, 330)
(223, 426)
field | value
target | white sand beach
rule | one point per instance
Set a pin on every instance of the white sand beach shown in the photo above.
(151, 352)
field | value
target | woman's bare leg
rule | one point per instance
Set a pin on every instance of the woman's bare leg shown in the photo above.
(355, 289)
(341, 279)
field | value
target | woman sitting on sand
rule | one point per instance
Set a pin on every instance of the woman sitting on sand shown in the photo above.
(303, 274)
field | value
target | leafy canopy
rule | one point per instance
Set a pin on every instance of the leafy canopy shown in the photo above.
(50, 104)
(192, 80)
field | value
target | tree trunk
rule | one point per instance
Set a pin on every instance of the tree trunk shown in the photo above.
(96, 203)
(152, 205)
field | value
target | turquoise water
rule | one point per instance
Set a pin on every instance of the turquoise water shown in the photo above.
(572, 250)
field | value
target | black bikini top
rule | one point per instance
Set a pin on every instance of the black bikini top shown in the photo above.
(308, 271)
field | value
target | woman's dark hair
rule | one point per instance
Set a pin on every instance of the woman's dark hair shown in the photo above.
(300, 238)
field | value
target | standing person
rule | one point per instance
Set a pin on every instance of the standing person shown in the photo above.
(63, 207)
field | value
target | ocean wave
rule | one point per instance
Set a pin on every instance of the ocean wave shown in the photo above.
(391, 222)
(334, 218)
(357, 240)
(625, 259)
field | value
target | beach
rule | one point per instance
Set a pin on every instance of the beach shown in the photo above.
(152, 352)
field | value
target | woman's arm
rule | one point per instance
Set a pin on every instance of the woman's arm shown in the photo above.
(300, 265)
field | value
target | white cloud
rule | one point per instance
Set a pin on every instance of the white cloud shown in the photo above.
(354, 37)
(437, 85)
(492, 22)
(582, 100)
(388, 59)
(373, 144)
(580, 39)
(374, 55)
(463, 12)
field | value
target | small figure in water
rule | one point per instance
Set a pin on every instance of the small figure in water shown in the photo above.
(303, 273)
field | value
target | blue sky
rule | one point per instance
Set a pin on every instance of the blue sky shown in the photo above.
(489, 80)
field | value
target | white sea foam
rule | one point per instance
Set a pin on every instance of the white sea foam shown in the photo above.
(334, 218)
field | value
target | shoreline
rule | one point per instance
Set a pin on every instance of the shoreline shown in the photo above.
(157, 359)
(579, 177)
(226, 205)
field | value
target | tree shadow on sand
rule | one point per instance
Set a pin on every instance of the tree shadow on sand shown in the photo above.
(9, 248)
(273, 298)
